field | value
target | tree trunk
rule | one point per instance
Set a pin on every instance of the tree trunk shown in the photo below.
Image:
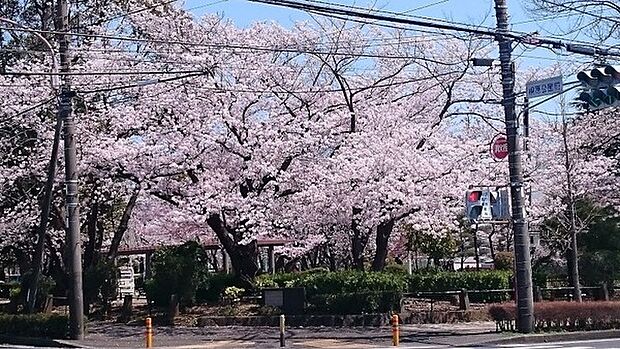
(476, 252)
(90, 247)
(39, 254)
(358, 242)
(574, 265)
(491, 243)
(384, 230)
(123, 224)
(242, 257)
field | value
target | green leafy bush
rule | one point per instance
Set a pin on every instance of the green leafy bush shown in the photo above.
(396, 269)
(469, 280)
(345, 292)
(504, 260)
(100, 282)
(212, 286)
(10, 290)
(356, 292)
(36, 325)
(180, 270)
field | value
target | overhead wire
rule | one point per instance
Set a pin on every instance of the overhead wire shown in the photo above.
(353, 11)
(219, 45)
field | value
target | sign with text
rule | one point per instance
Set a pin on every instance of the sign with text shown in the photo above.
(499, 147)
(544, 87)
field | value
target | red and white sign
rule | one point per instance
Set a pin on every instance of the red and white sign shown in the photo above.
(499, 147)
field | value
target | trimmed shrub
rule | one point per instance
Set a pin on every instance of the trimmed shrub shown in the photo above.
(354, 292)
(177, 270)
(35, 325)
(469, 280)
(396, 269)
(568, 316)
(345, 292)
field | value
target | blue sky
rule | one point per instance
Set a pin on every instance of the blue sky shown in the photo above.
(243, 12)
(480, 12)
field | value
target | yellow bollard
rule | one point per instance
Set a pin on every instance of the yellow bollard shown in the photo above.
(395, 331)
(149, 333)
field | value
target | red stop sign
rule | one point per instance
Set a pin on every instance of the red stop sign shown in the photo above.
(499, 147)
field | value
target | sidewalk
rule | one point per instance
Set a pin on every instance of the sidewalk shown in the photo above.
(106, 335)
(112, 335)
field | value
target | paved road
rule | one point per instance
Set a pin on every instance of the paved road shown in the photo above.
(587, 344)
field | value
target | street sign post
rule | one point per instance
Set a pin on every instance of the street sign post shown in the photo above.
(499, 147)
(539, 88)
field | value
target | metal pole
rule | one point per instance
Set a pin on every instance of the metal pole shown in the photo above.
(282, 331)
(523, 272)
(72, 212)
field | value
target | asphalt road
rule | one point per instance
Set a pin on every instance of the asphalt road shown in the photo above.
(586, 344)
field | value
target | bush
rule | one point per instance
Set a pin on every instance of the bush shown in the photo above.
(177, 270)
(212, 286)
(345, 292)
(36, 325)
(395, 269)
(10, 290)
(100, 283)
(504, 260)
(355, 292)
(469, 280)
(553, 316)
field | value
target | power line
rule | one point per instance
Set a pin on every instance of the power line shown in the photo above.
(154, 72)
(392, 13)
(331, 11)
(236, 47)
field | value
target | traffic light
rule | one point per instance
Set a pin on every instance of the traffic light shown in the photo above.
(487, 205)
(500, 205)
(478, 205)
(601, 87)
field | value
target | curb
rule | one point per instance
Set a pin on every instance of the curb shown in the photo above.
(37, 342)
(554, 337)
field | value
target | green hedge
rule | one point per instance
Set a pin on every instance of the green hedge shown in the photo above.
(469, 280)
(345, 292)
(450, 281)
(356, 292)
(36, 325)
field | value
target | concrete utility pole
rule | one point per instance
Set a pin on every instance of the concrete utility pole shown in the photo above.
(523, 272)
(74, 246)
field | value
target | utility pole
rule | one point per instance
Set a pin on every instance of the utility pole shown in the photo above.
(72, 212)
(523, 272)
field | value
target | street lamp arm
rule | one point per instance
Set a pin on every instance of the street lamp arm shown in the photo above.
(54, 77)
